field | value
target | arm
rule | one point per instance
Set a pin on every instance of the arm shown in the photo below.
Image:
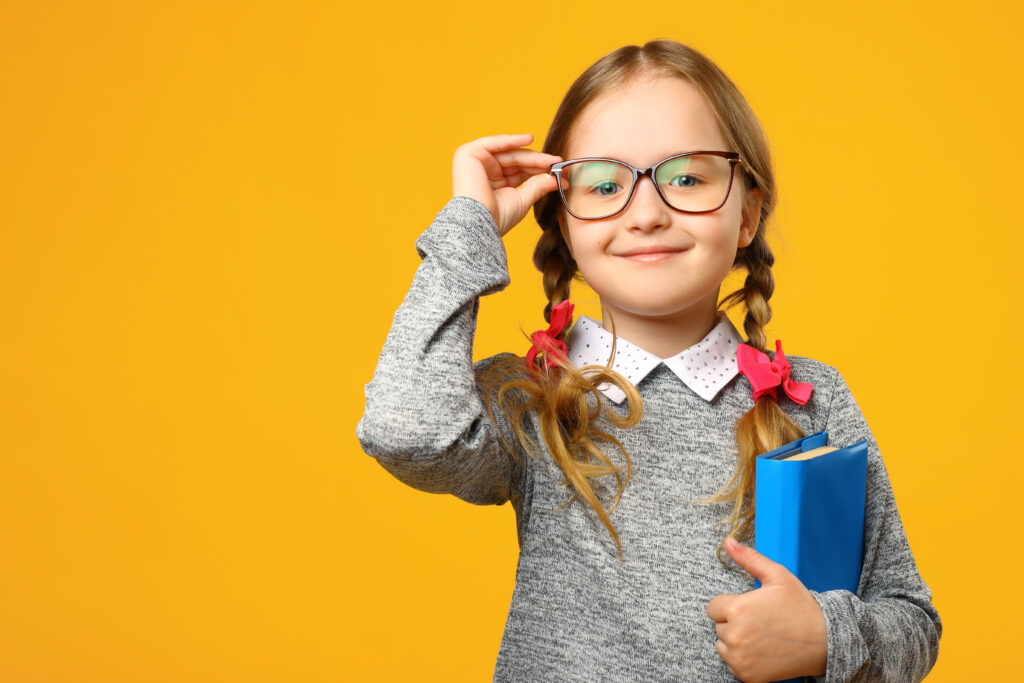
(424, 421)
(889, 630)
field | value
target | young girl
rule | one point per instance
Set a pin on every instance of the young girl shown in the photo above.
(626, 444)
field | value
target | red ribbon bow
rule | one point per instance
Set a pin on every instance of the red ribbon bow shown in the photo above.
(765, 374)
(544, 340)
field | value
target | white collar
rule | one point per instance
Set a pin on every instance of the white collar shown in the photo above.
(705, 367)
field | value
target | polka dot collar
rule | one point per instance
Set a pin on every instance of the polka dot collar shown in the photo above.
(705, 367)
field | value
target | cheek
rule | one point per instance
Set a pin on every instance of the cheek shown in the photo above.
(588, 245)
(722, 235)
(592, 260)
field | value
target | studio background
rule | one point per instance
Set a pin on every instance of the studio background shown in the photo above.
(207, 217)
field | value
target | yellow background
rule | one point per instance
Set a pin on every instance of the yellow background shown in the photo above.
(201, 249)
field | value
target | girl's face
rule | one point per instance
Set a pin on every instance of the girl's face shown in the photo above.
(646, 121)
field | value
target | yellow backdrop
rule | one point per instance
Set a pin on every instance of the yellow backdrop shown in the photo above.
(201, 250)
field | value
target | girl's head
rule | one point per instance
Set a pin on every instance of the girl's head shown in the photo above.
(641, 105)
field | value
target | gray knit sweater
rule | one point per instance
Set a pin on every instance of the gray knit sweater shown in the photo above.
(577, 613)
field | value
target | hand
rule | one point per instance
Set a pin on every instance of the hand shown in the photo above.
(491, 169)
(774, 632)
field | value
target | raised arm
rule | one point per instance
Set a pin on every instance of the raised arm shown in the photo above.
(889, 630)
(425, 421)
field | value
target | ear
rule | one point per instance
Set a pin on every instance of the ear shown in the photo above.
(751, 216)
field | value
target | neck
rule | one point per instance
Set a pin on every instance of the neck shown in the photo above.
(664, 336)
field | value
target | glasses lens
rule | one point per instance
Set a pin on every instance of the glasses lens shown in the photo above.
(593, 189)
(695, 183)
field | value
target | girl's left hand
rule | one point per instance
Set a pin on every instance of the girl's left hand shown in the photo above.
(774, 632)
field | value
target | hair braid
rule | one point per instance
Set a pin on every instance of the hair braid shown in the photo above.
(765, 426)
(553, 260)
(757, 289)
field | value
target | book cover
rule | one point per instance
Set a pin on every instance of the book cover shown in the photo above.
(809, 510)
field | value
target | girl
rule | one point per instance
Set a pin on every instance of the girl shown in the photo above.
(654, 183)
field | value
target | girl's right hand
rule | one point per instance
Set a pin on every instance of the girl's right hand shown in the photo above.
(490, 170)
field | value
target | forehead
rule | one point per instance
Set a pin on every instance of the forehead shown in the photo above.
(645, 121)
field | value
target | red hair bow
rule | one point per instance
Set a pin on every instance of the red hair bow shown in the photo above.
(766, 374)
(545, 340)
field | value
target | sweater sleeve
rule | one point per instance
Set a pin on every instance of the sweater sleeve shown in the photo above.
(889, 630)
(424, 419)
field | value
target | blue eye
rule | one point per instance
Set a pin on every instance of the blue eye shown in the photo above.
(686, 177)
(608, 185)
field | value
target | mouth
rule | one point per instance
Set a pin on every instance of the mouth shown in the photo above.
(651, 254)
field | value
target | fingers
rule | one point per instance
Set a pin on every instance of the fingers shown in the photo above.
(498, 151)
(527, 158)
(499, 143)
(487, 149)
(512, 168)
(718, 608)
(536, 187)
(516, 177)
(503, 175)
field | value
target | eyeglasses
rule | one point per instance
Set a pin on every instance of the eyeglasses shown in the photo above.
(694, 182)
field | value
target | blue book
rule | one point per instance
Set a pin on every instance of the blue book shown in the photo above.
(809, 511)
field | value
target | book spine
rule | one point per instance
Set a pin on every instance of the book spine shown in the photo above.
(779, 490)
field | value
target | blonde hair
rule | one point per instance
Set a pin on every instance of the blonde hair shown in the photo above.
(559, 395)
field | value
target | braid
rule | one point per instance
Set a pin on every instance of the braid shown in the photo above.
(553, 260)
(765, 426)
(758, 287)
(757, 259)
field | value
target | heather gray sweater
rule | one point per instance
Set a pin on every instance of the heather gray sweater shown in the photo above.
(576, 613)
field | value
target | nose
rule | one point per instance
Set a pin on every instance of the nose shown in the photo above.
(647, 211)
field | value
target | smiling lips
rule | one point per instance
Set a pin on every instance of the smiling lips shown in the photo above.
(650, 254)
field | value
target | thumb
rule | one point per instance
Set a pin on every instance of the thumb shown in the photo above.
(757, 565)
(536, 187)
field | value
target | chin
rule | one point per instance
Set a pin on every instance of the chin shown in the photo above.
(654, 309)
